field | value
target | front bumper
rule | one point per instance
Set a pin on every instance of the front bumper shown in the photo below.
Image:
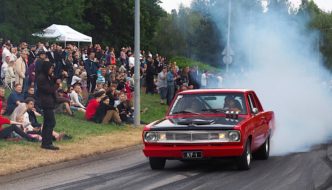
(208, 151)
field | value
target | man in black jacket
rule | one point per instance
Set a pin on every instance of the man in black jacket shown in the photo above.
(91, 67)
(32, 54)
(47, 87)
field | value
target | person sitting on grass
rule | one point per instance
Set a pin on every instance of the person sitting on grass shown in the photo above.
(6, 133)
(14, 99)
(30, 117)
(76, 78)
(26, 114)
(106, 113)
(93, 105)
(125, 109)
(3, 100)
(31, 94)
(63, 103)
(76, 98)
(112, 94)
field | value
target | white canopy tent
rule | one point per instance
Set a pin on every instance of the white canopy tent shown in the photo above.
(63, 33)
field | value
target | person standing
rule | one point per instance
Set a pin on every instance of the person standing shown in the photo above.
(47, 87)
(91, 67)
(149, 76)
(195, 77)
(171, 78)
(21, 68)
(32, 54)
(162, 85)
(204, 79)
(6, 51)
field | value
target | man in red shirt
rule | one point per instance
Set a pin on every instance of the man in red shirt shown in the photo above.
(93, 105)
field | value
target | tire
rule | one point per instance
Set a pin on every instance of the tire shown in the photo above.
(244, 161)
(263, 153)
(157, 163)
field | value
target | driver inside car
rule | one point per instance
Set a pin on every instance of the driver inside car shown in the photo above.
(231, 104)
(194, 106)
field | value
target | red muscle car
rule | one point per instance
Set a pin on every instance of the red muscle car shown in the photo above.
(211, 123)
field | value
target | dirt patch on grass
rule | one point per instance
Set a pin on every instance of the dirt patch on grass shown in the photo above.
(17, 158)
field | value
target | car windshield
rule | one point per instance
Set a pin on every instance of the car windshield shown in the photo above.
(209, 103)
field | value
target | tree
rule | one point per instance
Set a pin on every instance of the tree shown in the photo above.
(19, 19)
(113, 21)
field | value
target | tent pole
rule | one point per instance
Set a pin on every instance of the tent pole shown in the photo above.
(78, 44)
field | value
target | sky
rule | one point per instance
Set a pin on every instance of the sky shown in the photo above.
(169, 5)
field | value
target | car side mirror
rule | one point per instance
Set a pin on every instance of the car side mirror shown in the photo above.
(254, 111)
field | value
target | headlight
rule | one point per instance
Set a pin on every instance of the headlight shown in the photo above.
(154, 136)
(234, 136)
(151, 137)
(222, 136)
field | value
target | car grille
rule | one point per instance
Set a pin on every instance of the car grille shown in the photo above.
(192, 136)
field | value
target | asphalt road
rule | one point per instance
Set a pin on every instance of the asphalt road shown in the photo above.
(129, 169)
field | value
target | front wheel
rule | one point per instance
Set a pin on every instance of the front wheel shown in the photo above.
(244, 160)
(263, 152)
(157, 163)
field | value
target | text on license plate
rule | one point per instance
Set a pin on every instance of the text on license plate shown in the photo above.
(192, 154)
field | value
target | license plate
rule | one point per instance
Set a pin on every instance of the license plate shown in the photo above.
(192, 154)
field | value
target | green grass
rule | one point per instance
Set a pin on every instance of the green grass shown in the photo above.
(155, 109)
(79, 128)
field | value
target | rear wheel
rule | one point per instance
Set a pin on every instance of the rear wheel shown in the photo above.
(263, 152)
(157, 163)
(244, 161)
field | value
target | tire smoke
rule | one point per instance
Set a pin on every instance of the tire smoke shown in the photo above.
(277, 56)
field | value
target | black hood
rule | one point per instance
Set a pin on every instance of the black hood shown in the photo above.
(198, 123)
(46, 65)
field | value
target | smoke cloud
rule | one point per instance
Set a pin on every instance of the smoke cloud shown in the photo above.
(278, 57)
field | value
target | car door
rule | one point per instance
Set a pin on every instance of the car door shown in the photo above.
(258, 121)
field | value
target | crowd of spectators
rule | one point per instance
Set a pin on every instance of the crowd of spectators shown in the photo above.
(96, 81)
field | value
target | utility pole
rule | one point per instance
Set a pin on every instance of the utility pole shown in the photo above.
(137, 91)
(227, 51)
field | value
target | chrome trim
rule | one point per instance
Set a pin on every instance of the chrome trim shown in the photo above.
(191, 133)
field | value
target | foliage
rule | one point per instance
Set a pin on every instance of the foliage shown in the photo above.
(108, 22)
(322, 21)
(184, 62)
(190, 34)
(113, 21)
